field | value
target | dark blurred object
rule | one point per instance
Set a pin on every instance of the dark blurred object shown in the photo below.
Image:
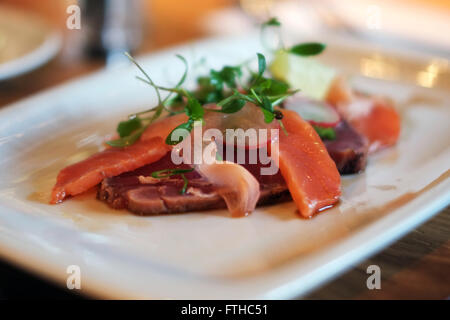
(111, 27)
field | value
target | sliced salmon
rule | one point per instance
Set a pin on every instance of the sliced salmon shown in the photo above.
(371, 116)
(380, 123)
(339, 92)
(85, 174)
(163, 127)
(310, 173)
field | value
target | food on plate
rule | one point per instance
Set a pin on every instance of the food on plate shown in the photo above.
(86, 174)
(142, 194)
(349, 150)
(309, 172)
(240, 138)
(373, 117)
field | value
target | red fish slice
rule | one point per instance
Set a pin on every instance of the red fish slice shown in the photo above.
(380, 123)
(85, 174)
(373, 117)
(163, 127)
(310, 174)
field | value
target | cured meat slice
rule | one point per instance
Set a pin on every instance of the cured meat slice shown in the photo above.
(144, 195)
(348, 150)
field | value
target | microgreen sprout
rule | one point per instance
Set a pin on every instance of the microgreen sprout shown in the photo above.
(167, 173)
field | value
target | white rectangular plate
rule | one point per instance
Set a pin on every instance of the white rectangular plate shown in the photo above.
(270, 254)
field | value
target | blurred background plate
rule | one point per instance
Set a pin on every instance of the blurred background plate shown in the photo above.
(26, 42)
(387, 23)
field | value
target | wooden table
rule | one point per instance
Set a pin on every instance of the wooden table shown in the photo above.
(415, 267)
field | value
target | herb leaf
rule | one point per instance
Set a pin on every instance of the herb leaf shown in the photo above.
(270, 87)
(194, 109)
(128, 140)
(307, 48)
(261, 65)
(272, 22)
(172, 140)
(125, 128)
(325, 133)
(185, 183)
(166, 173)
(207, 92)
(277, 87)
(267, 109)
(233, 106)
(226, 76)
(268, 116)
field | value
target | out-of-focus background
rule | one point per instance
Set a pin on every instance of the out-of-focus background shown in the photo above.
(45, 43)
(143, 26)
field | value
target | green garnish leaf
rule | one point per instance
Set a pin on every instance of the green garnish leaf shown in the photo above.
(194, 109)
(126, 141)
(270, 87)
(277, 87)
(204, 81)
(166, 173)
(261, 85)
(272, 22)
(222, 87)
(307, 48)
(185, 183)
(261, 64)
(227, 76)
(325, 133)
(268, 116)
(266, 104)
(267, 109)
(125, 128)
(283, 127)
(207, 92)
(233, 106)
(172, 140)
